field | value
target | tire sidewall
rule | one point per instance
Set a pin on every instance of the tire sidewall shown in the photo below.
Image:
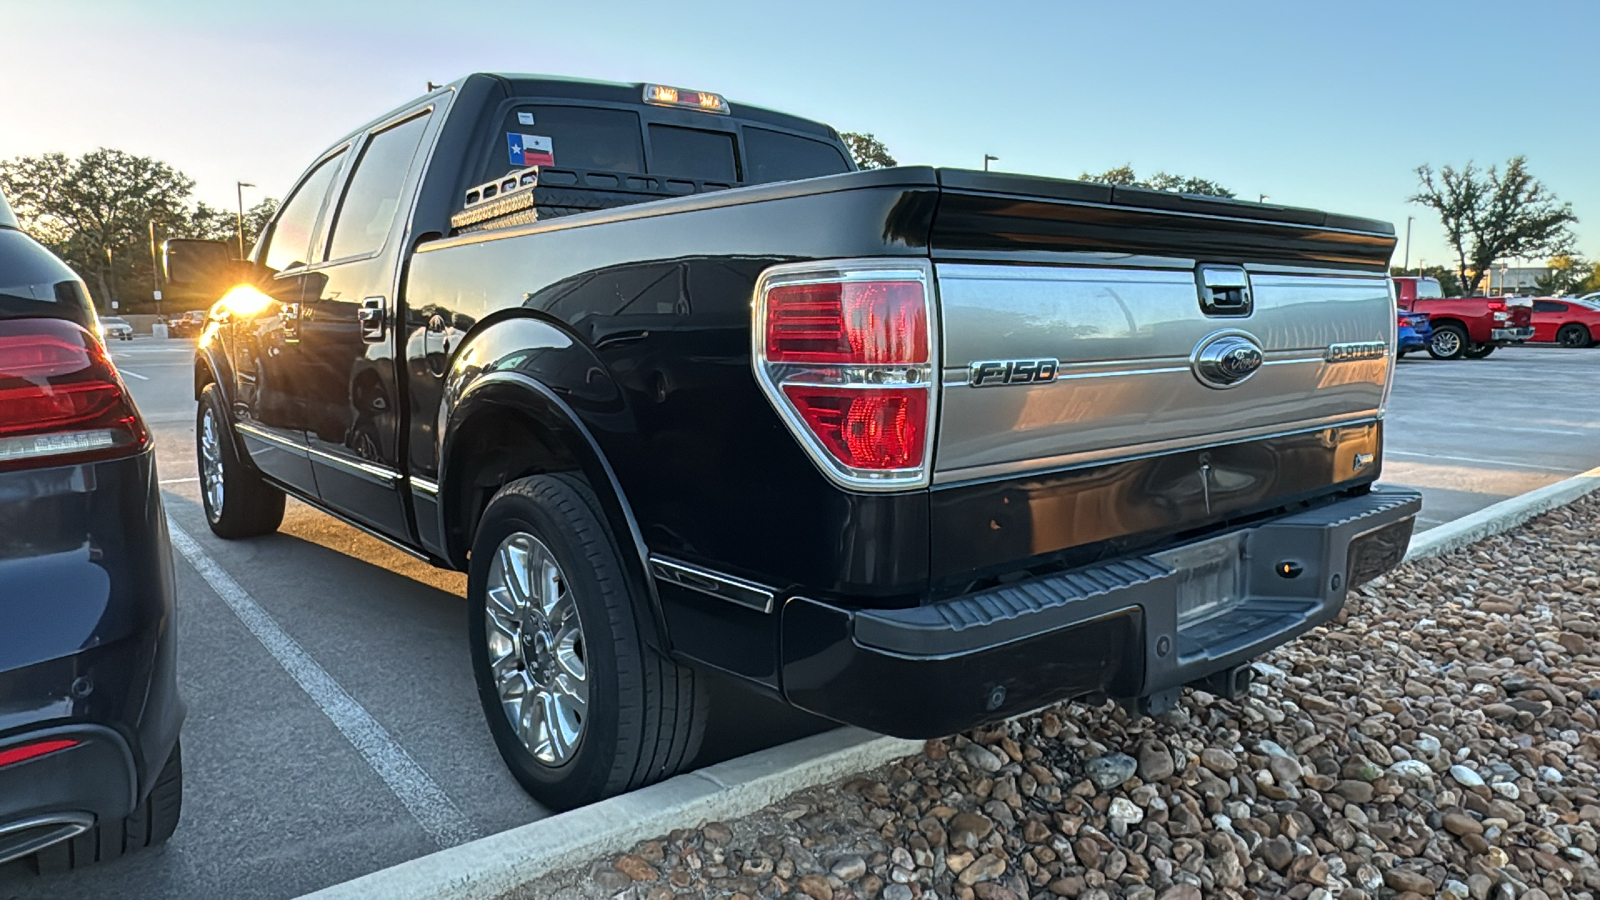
(209, 403)
(589, 772)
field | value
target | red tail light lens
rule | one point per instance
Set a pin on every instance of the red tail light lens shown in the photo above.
(33, 751)
(879, 428)
(60, 398)
(1497, 306)
(876, 322)
(846, 352)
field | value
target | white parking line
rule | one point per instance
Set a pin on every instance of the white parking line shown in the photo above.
(180, 480)
(429, 805)
(1474, 459)
(134, 375)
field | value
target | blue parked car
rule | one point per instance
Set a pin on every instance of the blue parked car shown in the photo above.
(1415, 332)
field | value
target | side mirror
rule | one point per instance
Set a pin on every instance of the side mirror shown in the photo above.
(197, 265)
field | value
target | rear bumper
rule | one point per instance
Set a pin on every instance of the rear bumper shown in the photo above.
(60, 794)
(1115, 627)
(1512, 335)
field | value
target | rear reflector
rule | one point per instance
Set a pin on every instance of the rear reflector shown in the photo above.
(33, 751)
(845, 351)
(872, 428)
(60, 398)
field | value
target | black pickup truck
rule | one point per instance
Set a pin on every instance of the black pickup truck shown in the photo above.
(912, 449)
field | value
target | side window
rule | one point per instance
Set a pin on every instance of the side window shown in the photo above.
(373, 197)
(289, 245)
(1547, 306)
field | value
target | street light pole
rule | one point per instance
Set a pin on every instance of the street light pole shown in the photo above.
(155, 269)
(241, 185)
(1406, 266)
(987, 159)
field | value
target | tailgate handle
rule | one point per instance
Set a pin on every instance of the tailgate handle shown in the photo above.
(1224, 290)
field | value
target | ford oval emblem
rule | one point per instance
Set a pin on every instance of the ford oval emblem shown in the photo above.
(1227, 359)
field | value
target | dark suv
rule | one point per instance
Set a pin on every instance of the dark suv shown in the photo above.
(89, 707)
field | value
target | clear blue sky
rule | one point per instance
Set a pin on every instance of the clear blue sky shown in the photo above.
(1326, 104)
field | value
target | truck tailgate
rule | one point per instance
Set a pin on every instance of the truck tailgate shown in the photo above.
(1083, 330)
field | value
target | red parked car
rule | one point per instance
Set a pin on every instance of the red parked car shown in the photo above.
(1465, 326)
(1570, 323)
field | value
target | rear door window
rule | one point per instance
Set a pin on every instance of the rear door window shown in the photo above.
(775, 156)
(1545, 306)
(289, 245)
(577, 137)
(692, 153)
(370, 202)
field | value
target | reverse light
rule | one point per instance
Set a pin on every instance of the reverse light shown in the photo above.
(845, 351)
(704, 101)
(61, 400)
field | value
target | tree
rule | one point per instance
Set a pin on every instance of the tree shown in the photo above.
(95, 211)
(215, 224)
(1448, 283)
(1491, 215)
(1568, 272)
(1161, 181)
(867, 151)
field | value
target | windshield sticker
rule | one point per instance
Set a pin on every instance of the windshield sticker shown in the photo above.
(530, 150)
(524, 118)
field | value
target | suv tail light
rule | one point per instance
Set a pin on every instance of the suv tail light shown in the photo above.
(61, 401)
(846, 352)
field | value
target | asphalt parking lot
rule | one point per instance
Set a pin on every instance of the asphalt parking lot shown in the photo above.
(333, 728)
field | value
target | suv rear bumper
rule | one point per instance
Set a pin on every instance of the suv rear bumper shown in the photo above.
(941, 668)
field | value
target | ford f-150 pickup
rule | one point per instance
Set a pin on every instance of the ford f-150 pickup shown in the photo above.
(1472, 327)
(912, 449)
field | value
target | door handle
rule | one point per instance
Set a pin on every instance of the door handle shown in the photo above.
(373, 318)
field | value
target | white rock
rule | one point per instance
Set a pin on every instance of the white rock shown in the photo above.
(1413, 770)
(1465, 776)
(1549, 774)
(1506, 789)
(1125, 810)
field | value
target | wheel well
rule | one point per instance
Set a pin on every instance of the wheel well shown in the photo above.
(1440, 323)
(202, 376)
(497, 446)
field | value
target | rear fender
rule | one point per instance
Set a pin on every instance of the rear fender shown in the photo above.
(531, 368)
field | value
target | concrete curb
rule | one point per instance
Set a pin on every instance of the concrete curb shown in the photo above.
(1502, 516)
(494, 865)
(502, 862)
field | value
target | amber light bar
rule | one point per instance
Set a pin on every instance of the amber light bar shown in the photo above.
(704, 101)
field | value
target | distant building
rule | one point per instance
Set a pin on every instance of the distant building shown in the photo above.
(1511, 280)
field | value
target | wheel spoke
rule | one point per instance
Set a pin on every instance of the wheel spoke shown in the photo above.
(568, 652)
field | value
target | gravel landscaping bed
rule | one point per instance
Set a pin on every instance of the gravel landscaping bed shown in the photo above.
(1438, 741)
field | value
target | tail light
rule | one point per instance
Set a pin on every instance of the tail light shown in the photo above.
(34, 750)
(61, 400)
(846, 353)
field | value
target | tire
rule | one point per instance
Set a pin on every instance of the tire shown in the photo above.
(150, 823)
(1479, 351)
(643, 715)
(1574, 335)
(1448, 342)
(237, 501)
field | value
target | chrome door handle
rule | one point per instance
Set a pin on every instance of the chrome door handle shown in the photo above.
(373, 318)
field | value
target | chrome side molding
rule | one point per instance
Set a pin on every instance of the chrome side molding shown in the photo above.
(695, 578)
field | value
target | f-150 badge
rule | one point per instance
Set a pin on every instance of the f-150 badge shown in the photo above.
(1013, 371)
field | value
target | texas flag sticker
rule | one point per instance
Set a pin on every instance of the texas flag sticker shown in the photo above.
(530, 150)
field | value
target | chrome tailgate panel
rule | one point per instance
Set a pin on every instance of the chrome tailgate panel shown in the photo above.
(1124, 338)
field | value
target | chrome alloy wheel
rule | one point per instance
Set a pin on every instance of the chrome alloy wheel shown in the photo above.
(211, 463)
(1446, 342)
(536, 648)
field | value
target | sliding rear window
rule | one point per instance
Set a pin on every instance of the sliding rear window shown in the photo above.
(775, 156)
(692, 153)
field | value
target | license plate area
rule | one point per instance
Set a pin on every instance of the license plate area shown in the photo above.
(1209, 576)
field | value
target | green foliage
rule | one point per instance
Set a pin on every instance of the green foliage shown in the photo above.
(95, 211)
(867, 151)
(1161, 181)
(1494, 214)
(1448, 282)
(1567, 273)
